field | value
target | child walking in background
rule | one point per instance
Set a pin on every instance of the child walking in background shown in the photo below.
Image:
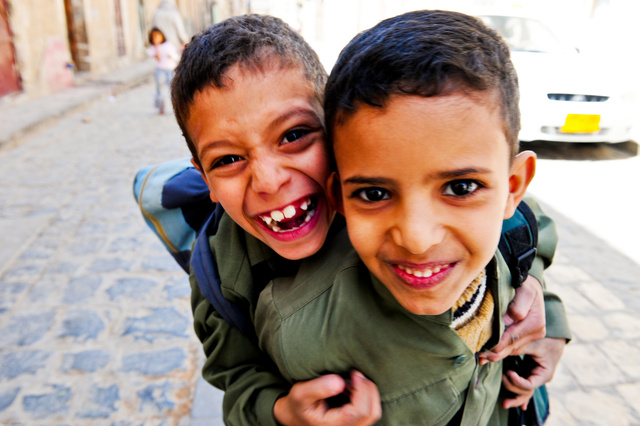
(167, 57)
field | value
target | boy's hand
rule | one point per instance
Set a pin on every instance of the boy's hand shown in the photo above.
(306, 402)
(525, 321)
(546, 353)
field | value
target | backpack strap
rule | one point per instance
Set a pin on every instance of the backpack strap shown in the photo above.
(518, 243)
(205, 270)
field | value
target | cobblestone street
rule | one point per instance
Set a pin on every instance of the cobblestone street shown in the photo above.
(95, 323)
(95, 317)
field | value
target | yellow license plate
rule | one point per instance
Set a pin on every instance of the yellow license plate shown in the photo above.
(581, 123)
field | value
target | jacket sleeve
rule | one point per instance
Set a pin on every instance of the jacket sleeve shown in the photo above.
(556, 317)
(235, 364)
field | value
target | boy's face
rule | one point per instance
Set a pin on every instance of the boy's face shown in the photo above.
(424, 185)
(262, 148)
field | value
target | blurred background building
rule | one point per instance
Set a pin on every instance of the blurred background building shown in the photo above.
(46, 46)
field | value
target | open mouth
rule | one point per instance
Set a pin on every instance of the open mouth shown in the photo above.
(292, 217)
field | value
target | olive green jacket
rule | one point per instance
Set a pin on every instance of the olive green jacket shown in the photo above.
(234, 362)
(334, 316)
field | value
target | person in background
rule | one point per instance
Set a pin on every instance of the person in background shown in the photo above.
(167, 19)
(166, 56)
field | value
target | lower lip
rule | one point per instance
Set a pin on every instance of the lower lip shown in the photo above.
(424, 282)
(302, 231)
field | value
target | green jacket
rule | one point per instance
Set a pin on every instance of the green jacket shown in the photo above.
(234, 363)
(334, 316)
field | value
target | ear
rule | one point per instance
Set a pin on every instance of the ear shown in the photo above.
(522, 171)
(204, 178)
(334, 192)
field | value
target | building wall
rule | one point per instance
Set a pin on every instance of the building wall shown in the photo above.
(41, 45)
(41, 40)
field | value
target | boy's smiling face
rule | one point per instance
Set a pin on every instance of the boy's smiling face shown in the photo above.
(262, 148)
(425, 184)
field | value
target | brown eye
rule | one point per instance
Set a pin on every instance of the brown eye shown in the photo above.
(294, 135)
(373, 194)
(226, 160)
(461, 188)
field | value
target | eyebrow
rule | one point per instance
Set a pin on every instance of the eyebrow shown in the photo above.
(448, 174)
(302, 112)
(372, 181)
(382, 181)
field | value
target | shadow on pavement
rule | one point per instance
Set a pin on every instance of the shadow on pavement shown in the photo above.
(582, 151)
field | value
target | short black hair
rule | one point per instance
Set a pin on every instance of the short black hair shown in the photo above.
(425, 53)
(249, 40)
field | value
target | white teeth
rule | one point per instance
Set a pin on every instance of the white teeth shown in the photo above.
(426, 273)
(309, 216)
(277, 215)
(289, 212)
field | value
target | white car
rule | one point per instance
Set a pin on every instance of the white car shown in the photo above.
(565, 96)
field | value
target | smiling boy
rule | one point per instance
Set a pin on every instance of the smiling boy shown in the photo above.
(248, 97)
(275, 191)
(423, 117)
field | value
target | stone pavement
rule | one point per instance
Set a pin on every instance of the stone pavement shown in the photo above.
(95, 324)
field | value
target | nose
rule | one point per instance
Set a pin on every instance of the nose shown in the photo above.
(269, 175)
(418, 227)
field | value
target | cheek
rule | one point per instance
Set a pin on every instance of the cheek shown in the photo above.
(362, 234)
(317, 163)
(229, 193)
(486, 237)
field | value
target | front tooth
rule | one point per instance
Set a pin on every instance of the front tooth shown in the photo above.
(277, 215)
(427, 273)
(417, 274)
(304, 205)
(289, 212)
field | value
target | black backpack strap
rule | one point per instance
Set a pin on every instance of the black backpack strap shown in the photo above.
(205, 270)
(519, 242)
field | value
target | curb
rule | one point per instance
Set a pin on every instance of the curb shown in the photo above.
(20, 120)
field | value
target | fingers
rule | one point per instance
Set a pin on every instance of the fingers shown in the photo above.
(320, 388)
(521, 401)
(525, 321)
(365, 397)
(521, 388)
(364, 407)
(305, 403)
